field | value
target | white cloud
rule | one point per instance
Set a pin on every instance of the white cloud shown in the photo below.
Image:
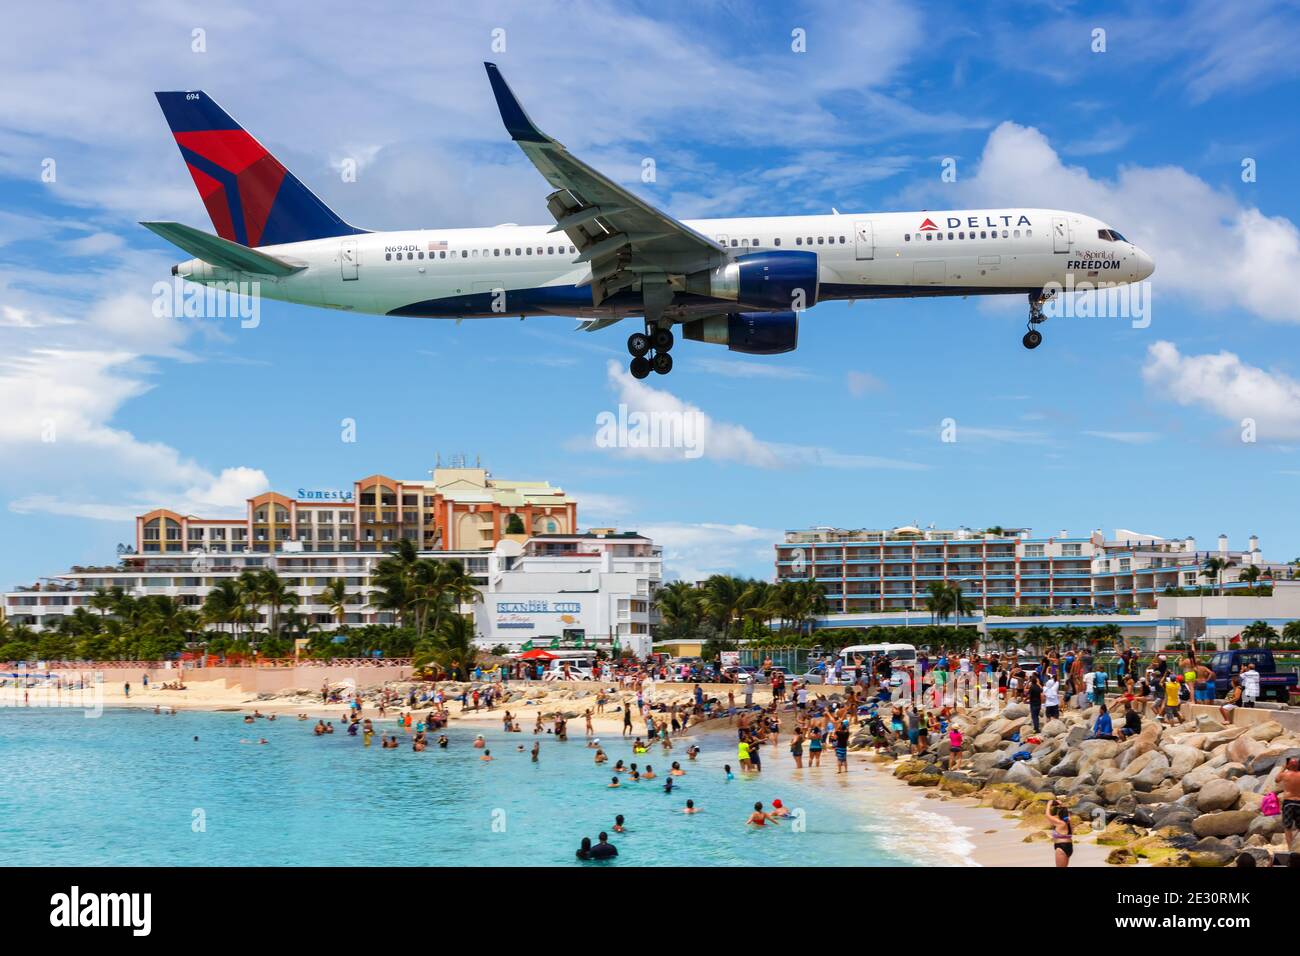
(860, 383)
(1224, 385)
(724, 441)
(1127, 438)
(695, 551)
(732, 367)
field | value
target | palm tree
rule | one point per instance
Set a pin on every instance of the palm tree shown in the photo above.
(451, 647)
(1037, 637)
(1250, 574)
(336, 598)
(1260, 632)
(681, 607)
(223, 604)
(938, 603)
(1214, 568)
(723, 597)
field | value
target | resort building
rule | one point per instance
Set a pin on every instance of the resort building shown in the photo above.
(455, 509)
(889, 570)
(596, 587)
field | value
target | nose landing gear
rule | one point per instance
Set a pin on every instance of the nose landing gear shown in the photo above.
(1034, 338)
(657, 339)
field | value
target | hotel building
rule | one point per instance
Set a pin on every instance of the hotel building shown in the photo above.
(874, 571)
(456, 509)
(540, 578)
(596, 586)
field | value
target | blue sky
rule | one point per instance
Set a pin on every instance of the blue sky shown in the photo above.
(1104, 426)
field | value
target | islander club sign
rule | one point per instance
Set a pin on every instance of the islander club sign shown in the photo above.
(323, 494)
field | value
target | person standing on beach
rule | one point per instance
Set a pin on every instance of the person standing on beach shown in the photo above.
(127, 688)
(1052, 697)
(842, 748)
(796, 748)
(1062, 834)
(1035, 694)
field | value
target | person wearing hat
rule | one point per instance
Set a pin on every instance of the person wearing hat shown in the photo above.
(779, 809)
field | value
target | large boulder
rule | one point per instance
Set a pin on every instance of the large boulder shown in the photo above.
(1024, 775)
(1056, 727)
(1153, 773)
(1223, 823)
(1226, 735)
(1112, 793)
(1013, 710)
(1217, 794)
(1182, 759)
(1206, 724)
(1266, 731)
(1266, 827)
(1211, 851)
(1099, 749)
(958, 784)
(1244, 748)
(1068, 766)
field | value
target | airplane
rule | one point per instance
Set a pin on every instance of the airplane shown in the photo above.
(610, 255)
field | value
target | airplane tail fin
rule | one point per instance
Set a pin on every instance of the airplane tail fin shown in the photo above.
(251, 198)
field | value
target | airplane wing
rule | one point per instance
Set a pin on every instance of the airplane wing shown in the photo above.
(222, 252)
(624, 238)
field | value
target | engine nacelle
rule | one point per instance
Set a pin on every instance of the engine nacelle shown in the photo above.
(754, 333)
(785, 279)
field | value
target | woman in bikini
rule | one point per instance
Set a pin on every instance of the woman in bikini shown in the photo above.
(1062, 834)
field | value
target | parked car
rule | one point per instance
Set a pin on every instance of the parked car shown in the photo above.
(1272, 683)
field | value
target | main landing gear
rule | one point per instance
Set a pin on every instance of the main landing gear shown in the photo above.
(1033, 338)
(650, 351)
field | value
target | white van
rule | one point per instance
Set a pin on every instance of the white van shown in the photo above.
(579, 667)
(902, 656)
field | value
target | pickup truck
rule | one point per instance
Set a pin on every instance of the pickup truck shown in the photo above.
(1272, 685)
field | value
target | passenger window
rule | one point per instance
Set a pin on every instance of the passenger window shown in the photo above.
(518, 251)
(550, 250)
(464, 254)
(496, 252)
(1005, 234)
(734, 243)
(984, 234)
(907, 237)
(754, 243)
(810, 240)
(1028, 233)
(842, 240)
(388, 255)
(961, 235)
(821, 240)
(1016, 234)
(929, 236)
(529, 250)
(798, 240)
(507, 252)
(419, 255)
(776, 241)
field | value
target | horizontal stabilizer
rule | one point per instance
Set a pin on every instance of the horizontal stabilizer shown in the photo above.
(222, 252)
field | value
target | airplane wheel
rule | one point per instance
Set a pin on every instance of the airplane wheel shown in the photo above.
(662, 338)
(638, 343)
(1033, 338)
(640, 367)
(662, 362)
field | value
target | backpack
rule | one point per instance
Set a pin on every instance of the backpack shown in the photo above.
(1099, 682)
(1269, 806)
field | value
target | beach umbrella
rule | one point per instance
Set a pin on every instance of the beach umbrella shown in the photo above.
(537, 654)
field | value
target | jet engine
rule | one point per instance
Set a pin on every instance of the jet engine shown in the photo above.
(781, 279)
(754, 333)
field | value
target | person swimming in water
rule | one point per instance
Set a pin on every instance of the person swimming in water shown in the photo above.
(690, 807)
(618, 824)
(760, 819)
(487, 755)
(668, 785)
(442, 741)
(649, 772)
(613, 782)
(779, 809)
(677, 770)
(601, 757)
(726, 769)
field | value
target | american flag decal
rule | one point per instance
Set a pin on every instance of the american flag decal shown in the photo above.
(440, 246)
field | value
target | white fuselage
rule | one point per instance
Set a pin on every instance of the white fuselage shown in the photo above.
(529, 270)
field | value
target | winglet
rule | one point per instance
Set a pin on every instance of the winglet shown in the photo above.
(517, 123)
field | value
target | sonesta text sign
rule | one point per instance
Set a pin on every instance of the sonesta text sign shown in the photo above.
(323, 494)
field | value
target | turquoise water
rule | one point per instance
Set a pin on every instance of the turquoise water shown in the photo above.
(124, 788)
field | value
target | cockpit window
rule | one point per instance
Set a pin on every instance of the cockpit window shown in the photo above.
(1110, 235)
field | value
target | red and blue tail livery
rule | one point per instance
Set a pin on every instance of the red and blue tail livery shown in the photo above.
(252, 199)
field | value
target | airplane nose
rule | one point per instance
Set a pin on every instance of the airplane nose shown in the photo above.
(1145, 264)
